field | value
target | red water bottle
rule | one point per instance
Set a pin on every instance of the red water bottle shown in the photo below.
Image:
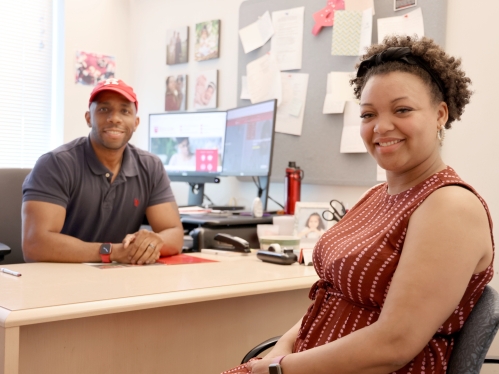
(292, 187)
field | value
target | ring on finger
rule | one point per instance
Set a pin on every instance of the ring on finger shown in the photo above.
(152, 246)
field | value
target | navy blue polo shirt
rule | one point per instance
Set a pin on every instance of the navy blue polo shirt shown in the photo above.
(96, 209)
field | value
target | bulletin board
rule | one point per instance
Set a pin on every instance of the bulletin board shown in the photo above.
(317, 150)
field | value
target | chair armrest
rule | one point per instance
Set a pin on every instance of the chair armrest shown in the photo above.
(491, 360)
(4, 250)
(260, 348)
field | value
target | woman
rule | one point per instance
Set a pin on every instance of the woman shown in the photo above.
(184, 159)
(400, 273)
(314, 227)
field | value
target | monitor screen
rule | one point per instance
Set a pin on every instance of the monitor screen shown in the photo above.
(189, 144)
(249, 139)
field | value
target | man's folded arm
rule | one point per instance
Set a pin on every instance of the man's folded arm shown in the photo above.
(165, 221)
(42, 239)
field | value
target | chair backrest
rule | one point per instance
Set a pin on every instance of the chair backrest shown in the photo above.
(476, 336)
(11, 181)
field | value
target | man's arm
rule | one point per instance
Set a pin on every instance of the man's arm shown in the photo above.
(43, 242)
(42, 239)
(166, 239)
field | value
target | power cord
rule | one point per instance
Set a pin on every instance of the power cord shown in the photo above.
(260, 190)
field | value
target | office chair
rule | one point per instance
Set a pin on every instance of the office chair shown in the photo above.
(11, 181)
(470, 346)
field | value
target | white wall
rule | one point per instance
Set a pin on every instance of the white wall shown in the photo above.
(99, 26)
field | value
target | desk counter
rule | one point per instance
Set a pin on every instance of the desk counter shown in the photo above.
(61, 318)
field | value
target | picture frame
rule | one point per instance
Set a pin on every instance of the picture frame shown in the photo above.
(205, 90)
(309, 224)
(92, 68)
(176, 93)
(207, 40)
(404, 4)
(177, 45)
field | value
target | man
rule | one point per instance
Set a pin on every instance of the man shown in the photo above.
(85, 201)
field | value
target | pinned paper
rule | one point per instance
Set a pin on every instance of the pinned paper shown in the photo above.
(339, 92)
(408, 24)
(352, 32)
(289, 118)
(264, 79)
(245, 95)
(351, 141)
(287, 42)
(325, 16)
(295, 108)
(359, 5)
(257, 34)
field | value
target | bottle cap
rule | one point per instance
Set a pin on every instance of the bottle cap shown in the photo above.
(292, 164)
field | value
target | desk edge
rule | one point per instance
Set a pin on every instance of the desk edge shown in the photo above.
(10, 318)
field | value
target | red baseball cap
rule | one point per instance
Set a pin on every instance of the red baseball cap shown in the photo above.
(117, 85)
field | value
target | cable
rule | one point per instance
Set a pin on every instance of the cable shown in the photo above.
(282, 206)
(259, 186)
(207, 198)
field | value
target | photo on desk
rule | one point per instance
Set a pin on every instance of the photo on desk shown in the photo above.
(207, 40)
(309, 222)
(176, 93)
(205, 90)
(177, 48)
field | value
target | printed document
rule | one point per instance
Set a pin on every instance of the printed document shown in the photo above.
(257, 34)
(338, 93)
(351, 142)
(264, 79)
(287, 42)
(289, 118)
(408, 24)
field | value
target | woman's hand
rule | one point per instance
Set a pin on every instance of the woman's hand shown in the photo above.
(259, 366)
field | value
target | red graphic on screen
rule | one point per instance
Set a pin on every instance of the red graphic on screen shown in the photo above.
(206, 160)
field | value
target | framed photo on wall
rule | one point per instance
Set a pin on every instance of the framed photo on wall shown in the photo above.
(176, 93)
(309, 223)
(207, 40)
(205, 90)
(177, 48)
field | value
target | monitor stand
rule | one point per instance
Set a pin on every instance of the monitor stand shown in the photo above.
(196, 194)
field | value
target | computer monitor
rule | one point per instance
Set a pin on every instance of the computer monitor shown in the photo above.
(249, 141)
(191, 147)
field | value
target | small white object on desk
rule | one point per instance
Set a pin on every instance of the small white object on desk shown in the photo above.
(223, 252)
(10, 272)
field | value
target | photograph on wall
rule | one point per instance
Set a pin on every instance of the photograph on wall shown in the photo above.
(176, 93)
(91, 68)
(205, 90)
(177, 49)
(207, 40)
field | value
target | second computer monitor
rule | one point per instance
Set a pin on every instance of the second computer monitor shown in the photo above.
(249, 140)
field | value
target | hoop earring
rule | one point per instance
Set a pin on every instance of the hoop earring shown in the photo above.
(441, 134)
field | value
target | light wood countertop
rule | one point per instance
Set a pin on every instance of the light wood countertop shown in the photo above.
(49, 291)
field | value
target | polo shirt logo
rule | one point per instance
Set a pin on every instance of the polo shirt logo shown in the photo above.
(136, 202)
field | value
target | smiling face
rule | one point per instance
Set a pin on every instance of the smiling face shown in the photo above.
(313, 222)
(400, 122)
(112, 119)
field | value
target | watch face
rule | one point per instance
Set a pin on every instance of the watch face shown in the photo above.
(105, 249)
(275, 369)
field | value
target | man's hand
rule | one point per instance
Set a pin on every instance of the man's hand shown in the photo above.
(142, 247)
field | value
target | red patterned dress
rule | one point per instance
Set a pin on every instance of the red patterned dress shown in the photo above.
(356, 260)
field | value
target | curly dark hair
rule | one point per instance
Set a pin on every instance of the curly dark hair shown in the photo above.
(447, 68)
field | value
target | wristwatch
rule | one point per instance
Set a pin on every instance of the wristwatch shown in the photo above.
(275, 366)
(105, 252)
